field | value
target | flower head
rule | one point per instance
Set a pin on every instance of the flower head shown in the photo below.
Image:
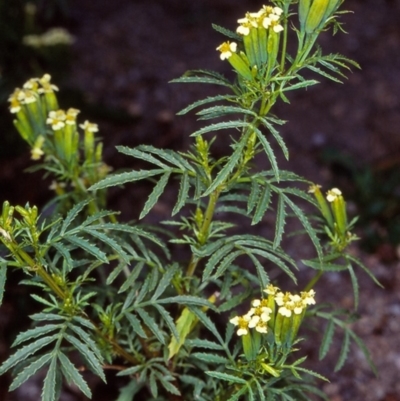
(70, 118)
(243, 323)
(90, 127)
(56, 119)
(332, 194)
(227, 49)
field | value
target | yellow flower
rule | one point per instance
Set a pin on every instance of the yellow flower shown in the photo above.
(243, 323)
(47, 86)
(332, 194)
(227, 49)
(87, 126)
(70, 118)
(271, 289)
(36, 153)
(308, 297)
(56, 119)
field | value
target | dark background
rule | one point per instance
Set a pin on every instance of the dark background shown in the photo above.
(117, 73)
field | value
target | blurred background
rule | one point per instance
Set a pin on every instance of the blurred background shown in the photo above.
(113, 60)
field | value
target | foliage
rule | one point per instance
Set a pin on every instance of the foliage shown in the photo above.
(113, 293)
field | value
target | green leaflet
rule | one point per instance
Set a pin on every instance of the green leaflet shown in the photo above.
(184, 325)
(3, 277)
(327, 339)
(81, 242)
(50, 382)
(156, 193)
(30, 370)
(151, 324)
(344, 351)
(183, 193)
(72, 375)
(123, 178)
(90, 357)
(26, 351)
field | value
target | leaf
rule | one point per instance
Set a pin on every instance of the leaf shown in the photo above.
(64, 252)
(183, 193)
(184, 325)
(86, 338)
(219, 111)
(227, 32)
(30, 370)
(262, 274)
(276, 135)
(151, 324)
(123, 178)
(354, 282)
(215, 258)
(201, 102)
(88, 247)
(327, 339)
(129, 391)
(88, 355)
(165, 281)
(306, 224)
(228, 167)
(364, 350)
(50, 381)
(268, 151)
(344, 351)
(26, 351)
(108, 240)
(225, 263)
(302, 84)
(187, 300)
(197, 342)
(135, 323)
(73, 376)
(226, 377)
(34, 333)
(263, 204)
(141, 155)
(207, 322)
(253, 196)
(168, 320)
(210, 358)
(132, 277)
(155, 194)
(220, 126)
(280, 222)
(71, 215)
(3, 277)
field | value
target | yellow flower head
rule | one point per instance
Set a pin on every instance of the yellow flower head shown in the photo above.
(47, 86)
(90, 127)
(332, 194)
(227, 49)
(56, 119)
(243, 323)
(70, 118)
(271, 289)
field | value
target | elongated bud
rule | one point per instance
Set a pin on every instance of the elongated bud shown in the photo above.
(316, 15)
(323, 204)
(304, 8)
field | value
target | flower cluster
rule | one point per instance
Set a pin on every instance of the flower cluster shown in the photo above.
(53, 37)
(260, 32)
(30, 92)
(59, 118)
(261, 314)
(257, 317)
(267, 17)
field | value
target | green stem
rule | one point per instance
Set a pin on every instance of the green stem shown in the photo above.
(205, 230)
(313, 281)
